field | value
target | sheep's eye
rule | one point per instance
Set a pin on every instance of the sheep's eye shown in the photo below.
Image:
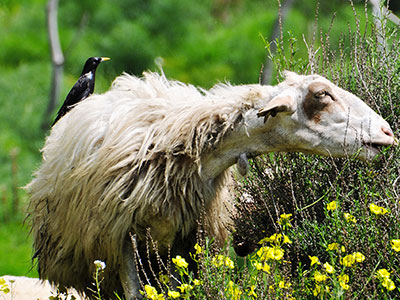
(321, 94)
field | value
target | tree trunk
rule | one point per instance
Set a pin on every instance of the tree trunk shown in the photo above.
(276, 32)
(57, 59)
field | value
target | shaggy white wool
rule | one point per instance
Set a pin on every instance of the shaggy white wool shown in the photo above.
(25, 288)
(128, 160)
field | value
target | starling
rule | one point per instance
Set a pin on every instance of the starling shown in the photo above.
(83, 88)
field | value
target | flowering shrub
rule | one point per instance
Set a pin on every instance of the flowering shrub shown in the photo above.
(267, 273)
(344, 214)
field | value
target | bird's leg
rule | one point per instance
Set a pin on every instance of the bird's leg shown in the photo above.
(242, 164)
(128, 273)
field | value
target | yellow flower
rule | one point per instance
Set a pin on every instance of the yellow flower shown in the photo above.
(314, 260)
(358, 256)
(257, 265)
(198, 248)
(264, 267)
(377, 210)
(285, 216)
(218, 260)
(333, 246)
(284, 285)
(388, 284)
(281, 284)
(173, 294)
(395, 245)
(318, 277)
(273, 238)
(234, 290)
(180, 262)
(329, 268)
(263, 252)
(274, 253)
(229, 263)
(383, 273)
(276, 237)
(4, 288)
(344, 277)
(348, 260)
(350, 218)
(384, 276)
(343, 249)
(286, 240)
(343, 280)
(197, 282)
(285, 220)
(277, 253)
(252, 292)
(152, 294)
(184, 287)
(331, 205)
(317, 290)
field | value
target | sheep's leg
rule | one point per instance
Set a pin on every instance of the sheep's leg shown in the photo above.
(128, 273)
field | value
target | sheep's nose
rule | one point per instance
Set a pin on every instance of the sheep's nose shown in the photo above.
(388, 132)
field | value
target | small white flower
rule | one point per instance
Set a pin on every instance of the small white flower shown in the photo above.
(100, 264)
(247, 198)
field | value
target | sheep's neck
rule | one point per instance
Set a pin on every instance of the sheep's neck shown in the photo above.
(248, 137)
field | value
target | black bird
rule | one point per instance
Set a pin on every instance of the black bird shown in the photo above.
(83, 88)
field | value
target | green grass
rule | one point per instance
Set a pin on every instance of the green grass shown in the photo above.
(16, 250)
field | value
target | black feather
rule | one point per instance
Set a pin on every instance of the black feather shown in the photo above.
(83, 88)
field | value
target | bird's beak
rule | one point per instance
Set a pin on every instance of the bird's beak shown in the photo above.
(105, 59)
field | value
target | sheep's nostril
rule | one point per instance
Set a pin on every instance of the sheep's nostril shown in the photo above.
(387, 131)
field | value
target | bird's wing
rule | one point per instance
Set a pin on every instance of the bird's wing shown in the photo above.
(81, 90)
(87, 92)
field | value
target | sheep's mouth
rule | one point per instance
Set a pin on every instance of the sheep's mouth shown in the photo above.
(374, 147)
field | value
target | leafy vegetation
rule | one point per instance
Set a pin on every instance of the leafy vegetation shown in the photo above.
(319, 227)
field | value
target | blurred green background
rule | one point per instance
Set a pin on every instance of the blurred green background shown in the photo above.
(201, 42)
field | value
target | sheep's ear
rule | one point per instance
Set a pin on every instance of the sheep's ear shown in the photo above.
(277, 105)
(292, 77)
(289, 74)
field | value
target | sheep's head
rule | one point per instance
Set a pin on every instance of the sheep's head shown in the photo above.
(313, 115)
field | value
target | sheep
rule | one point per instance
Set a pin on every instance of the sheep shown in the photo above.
(151, 154)
(25, 288)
